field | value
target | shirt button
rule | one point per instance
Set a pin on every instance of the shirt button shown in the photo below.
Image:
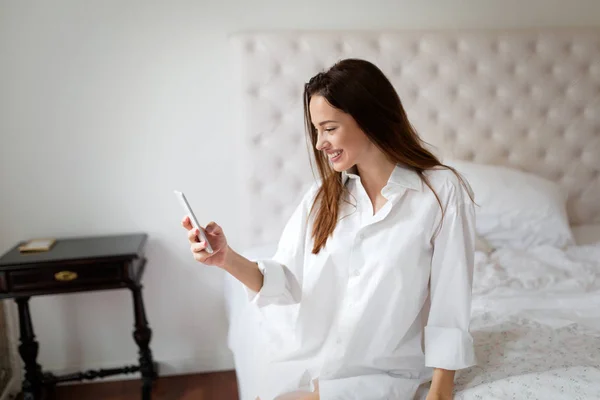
(339, 341)
(356, 272)
(361, 236)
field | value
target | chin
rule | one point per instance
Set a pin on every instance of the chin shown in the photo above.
(340, 167)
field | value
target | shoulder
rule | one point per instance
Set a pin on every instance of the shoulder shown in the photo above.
(309, 194)
(451, 187)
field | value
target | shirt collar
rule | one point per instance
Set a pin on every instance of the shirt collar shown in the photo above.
(401, 177)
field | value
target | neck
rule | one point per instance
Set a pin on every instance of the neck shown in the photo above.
(374, 174)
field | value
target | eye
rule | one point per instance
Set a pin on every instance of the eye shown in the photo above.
(330, 129)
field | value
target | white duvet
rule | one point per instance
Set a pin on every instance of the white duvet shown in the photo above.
(544, 269)
(536, 326)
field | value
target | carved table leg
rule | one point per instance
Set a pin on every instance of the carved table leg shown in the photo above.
(32, 384)
(142, 335)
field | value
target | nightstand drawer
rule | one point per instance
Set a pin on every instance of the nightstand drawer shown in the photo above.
(51, 277)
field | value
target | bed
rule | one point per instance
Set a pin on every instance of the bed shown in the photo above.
(519, 104)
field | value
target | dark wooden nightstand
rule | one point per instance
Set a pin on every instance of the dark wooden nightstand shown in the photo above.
(77, 265)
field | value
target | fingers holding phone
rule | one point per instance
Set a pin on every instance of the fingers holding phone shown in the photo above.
(200, 239)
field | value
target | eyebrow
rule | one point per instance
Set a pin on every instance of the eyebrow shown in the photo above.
(326, 122)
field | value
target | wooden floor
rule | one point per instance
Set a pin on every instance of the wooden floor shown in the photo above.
(211, 386)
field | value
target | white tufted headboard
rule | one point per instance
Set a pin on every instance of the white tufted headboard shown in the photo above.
(528, 99)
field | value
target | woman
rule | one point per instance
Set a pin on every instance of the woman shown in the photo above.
(370, 287)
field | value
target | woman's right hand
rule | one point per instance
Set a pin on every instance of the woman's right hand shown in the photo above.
(216, 238)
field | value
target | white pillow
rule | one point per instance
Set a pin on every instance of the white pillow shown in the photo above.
(516, 209)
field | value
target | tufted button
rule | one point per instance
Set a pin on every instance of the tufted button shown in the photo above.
(450, 133)
(252, 91)
(415, 48)
(255, 186)
(250, 47)
(276, 69)
(276, 116)
(257, 140)
(297, 140)
(494, 91)
(541, 153)
(454, 46)
(375, 45)
(511, 69)
(434, 70)
(452, 92)
(556, 176)
(547, 69)
(495, 47)
(472, 68)
(564, 134)
(413, 93)
(471, 112)
(433, 115)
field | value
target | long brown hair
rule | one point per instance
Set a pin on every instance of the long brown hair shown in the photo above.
(360, 89)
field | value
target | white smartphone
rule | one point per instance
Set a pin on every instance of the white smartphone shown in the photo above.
(188, 210)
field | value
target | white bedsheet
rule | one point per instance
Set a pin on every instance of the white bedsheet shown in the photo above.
(520, 358)
(536, 326)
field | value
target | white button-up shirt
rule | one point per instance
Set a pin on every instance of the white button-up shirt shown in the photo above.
(385, 301)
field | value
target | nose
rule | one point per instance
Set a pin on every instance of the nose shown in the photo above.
(320, 141)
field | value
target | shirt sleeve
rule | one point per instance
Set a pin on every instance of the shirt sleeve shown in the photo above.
(283, 273)
(448, 342)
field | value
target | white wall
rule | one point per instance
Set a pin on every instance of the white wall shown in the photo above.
(106, 106)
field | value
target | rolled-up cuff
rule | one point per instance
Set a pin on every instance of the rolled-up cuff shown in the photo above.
(448, 348)
(273, 287)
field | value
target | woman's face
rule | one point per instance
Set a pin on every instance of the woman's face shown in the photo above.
(339, 136)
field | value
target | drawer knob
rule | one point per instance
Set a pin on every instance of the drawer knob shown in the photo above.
(65, 276)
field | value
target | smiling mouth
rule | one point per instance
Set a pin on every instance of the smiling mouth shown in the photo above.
(335, 155)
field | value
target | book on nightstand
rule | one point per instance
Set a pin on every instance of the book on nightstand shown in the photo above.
(36, 245)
